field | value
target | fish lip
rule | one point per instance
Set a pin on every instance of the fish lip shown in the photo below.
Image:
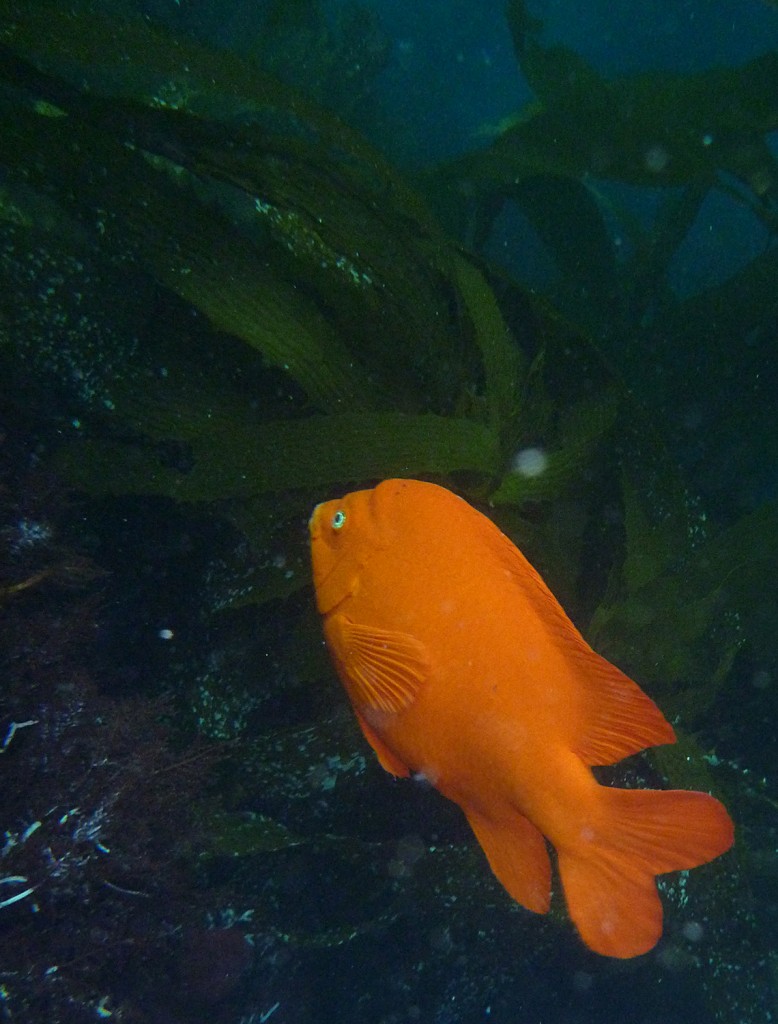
(312, 523)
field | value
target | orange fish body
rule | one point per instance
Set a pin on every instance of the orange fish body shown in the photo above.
(462, 667)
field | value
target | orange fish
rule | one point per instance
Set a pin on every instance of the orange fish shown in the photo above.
(463, 668)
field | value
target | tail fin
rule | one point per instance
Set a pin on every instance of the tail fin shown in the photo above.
(608, 879)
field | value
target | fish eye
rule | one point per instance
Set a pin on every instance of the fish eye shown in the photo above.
(338, 520)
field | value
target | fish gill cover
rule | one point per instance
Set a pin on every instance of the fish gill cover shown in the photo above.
(220, 305)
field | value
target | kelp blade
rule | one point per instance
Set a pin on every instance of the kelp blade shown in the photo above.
(319, 452)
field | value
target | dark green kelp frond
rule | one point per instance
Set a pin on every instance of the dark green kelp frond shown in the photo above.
(228, 460)
(141, 212)
(650, 129)
(570, 409)
(129, 56)
(319, 260)
(690, 602)
(378, 266)
(542, 474)
(228, 98)
(745, 304)
(648, 279)
(697, 132)
(657, 635)
(504, 364)
(290, 233)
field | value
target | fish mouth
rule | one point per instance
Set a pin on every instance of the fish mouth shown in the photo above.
(313, 524)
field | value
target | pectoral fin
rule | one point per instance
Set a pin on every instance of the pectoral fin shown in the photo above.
(382, 669)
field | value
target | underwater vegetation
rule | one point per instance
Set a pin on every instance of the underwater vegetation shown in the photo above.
(614, 175)
(220, 305)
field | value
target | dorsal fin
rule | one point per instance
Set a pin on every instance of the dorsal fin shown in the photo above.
(616, 718)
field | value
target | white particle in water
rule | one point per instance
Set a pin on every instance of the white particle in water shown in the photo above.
(530, 462)
(693, 931)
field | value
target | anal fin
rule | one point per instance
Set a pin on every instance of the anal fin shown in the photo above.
(517, 855)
